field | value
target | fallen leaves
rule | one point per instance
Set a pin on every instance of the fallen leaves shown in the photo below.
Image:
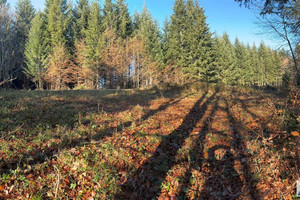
(98, 154)
(295, 133)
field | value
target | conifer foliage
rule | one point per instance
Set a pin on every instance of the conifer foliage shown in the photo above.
(35, 51)
(88, 45)
(25, 13)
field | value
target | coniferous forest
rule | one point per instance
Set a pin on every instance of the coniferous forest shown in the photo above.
(92, 44)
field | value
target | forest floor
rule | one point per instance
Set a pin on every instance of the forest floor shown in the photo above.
(229, 143)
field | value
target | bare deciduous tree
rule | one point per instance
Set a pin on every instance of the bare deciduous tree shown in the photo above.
(7, 45)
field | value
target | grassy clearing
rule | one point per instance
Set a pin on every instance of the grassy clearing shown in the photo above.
(189, 144)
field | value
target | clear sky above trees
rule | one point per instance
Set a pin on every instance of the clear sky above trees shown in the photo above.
(224, 15)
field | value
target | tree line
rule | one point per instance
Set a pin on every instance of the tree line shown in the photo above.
(93, 45)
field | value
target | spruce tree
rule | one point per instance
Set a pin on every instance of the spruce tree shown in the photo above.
(69, 32)
(199, 53)
(248, 70)
(177, 30)
(25, 12)
(254, 64)
(56, 13)
(189, 42)
(59, 40)
(225, 60)
(148, 30)
(265, 63)
(35, 51)
(166, 43)
(93, 38)
(240, 53)
(276, 72)
(24, 15)
(124, 22)
(109, 16)
(81, 15)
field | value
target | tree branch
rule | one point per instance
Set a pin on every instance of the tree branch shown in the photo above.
(7, 81)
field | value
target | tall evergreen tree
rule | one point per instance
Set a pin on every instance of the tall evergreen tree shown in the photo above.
(93, 38)
(148, 30)
(265, 62)
(176, 34)
(59, 42)
(225, 60)
(199, 53)
(276, 72)
(254, 64)
(166, 42)
(240, 53)
(248, 69)
(189, 42)
(124, 22)
(35, 51)
(24, 15)
(25, 12)
(56, 12)
(81, 15)
(109, 16)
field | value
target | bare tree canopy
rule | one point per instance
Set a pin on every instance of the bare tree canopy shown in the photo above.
(7, 42)
(269, 6)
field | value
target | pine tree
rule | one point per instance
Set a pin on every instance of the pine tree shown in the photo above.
(35, 51)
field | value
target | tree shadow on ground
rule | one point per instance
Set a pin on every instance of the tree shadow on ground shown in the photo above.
(263, 124)
(145, 183)
(146, 116)
(224, 181)
(240, 147)
(196, 152)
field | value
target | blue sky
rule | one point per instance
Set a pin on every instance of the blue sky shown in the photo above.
(222, 15)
